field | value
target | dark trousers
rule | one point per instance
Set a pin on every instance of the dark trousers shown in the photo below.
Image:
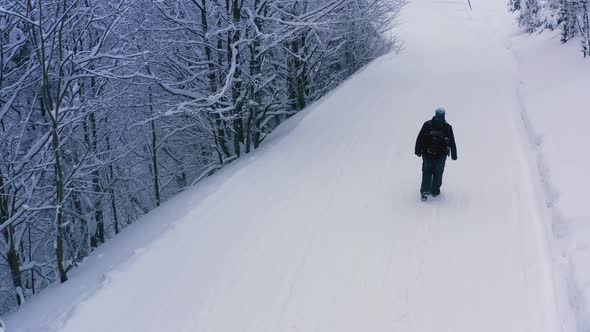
(432, 172)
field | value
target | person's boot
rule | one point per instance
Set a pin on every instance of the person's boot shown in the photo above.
(425, 196)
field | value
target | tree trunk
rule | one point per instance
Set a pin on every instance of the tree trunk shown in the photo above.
(234, 11)
(98, 215)
(13, 263)
(12, 255)
(252, 128)
(112, 191)
(155, 154)
(60, 191)
(218, 130)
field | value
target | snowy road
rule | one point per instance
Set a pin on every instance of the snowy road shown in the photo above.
(323, 229)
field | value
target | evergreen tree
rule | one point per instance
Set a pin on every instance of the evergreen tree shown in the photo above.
(529, 15)
(514, 5)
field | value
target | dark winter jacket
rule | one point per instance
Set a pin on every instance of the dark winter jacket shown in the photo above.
(423, 137)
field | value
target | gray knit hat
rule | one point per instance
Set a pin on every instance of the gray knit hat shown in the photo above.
(440, 113)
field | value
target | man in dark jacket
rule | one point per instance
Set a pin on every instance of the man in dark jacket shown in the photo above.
(433, 143)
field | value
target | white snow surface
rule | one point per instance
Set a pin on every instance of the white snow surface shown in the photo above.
(323, 230)
(553, 94)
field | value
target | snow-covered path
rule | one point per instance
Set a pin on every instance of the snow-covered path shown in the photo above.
(323, 229)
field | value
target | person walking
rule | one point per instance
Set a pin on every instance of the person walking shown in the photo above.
(434, 143)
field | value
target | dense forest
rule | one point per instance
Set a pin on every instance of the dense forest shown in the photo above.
(109, 107)
(569, 16)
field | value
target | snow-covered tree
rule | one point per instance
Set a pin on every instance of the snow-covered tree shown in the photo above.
(514, 5)
(109, 107)
(529, 14)
(570, 16)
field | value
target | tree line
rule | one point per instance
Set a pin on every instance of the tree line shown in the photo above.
(109, 107)
(571, 17)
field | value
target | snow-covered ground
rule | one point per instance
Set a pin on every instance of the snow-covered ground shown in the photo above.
(553, 92)
(323, 230)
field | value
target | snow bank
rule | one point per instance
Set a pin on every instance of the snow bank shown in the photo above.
(553, 93)
(56, 304)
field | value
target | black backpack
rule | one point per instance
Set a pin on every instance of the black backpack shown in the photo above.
(437, 142)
